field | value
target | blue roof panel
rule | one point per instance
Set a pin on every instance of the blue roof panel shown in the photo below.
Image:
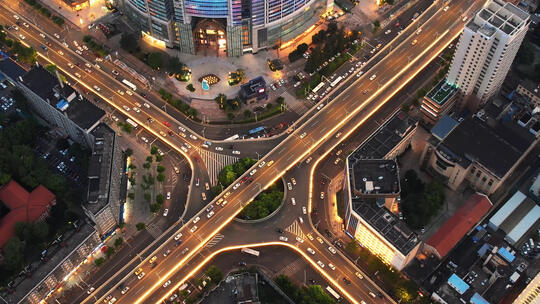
(506, 254)
(458, 284)
(478, 299)
(445, 125)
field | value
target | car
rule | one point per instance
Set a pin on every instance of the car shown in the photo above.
(345, 75)
(359, 275)
(152, 260)
(372, 294)
(78, 52)
(464, 19)
(136, 109)
(120, 92)
(178, 236)
(219, 149)
(309, 160)
(414, 42)
(320, 239)
(283, 238)
(310, 237)
(446, 8)
(167, 124)
(346, 281)
(181, 128)
(322, 195)
(89, 291)
(301, 220)
(163, 133)
(311, 251)
(303, 135)
(115, 72)
(235, 152)
(198, 218)
(418, 31)
(236, 186)
(167, 283)
(373, 77)
(207, 186)
(168, 195)
(270, 163)
(88, 65)
(293, 201)
(252, 172)
(22, 36)
(138, 271)
(210, 214)
(289, 186)
(331, 266)
(16, 17)
(321, 105)
(97, 88)
(203, 195)
(321, 264)
(262, 164)
(91, 25)
(15, 27)
(56, 36)
(193, 229)
(304, 210)
(165, 212)
(332, 250)
(299, 239)
(387, 32)
(176, 170)
(193, 137)
(146, 105)
(173, 297)
(166, 253)
(129, 92)
(78, 75)
(359, 73)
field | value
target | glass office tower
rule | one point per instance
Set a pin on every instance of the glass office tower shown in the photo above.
(233, 26)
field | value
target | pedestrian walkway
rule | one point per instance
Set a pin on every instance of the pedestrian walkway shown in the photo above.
(295, 229)
(215, 162)
(216, 239)
(154, 230)
(291, 269)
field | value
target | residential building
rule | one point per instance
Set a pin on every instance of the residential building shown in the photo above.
(529, 89)
(478, 150)
(60, 105)
(372, 194)
(253, 91)
(438, 102)
(457, 226)
(235, 26)
(531, 294)
(107, 181)
(485, 52)
(23, 206)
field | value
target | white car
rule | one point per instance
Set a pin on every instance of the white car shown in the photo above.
(261, 164)
(168, 195)
(198, 218)
(360, 276)
(78, 52)
(283, 238)
(120, 92)
(97, 88)
(332, 266)
(125, 290)
(22, 36)
(332, 250)
(252, 172)
(146, 105)
(304, 210)
(193, 229)
(210, 214)
(167, 283)
(299, 239)
(141, 275)
(60, 53)
(321, 264)
(373, 77)
(359, 73)
(293, 201)
(387, 32)
(178, 236)
(311, 251)
(219, 149)
(165, 212)
(56, 36)
(322, 195)
(173, 297)
(303, 135)
(289, 186)
(126, 108)
(236, 152)
(129, 92)
(136, 110)
(78, 75)
(236, 186)
(182, 129)
(446, 8)
(16, 17)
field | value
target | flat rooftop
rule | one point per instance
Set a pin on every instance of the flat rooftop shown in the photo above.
(388, 225)
(382, 141)
(374, 176)
(497, 148)
(442, 92)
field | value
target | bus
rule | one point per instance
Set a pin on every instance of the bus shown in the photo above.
(250, 251)
(318, 87)
(333, 292)
(129, 84)
(336, 81)
(234, 137)
(132, 123)
(256, 130)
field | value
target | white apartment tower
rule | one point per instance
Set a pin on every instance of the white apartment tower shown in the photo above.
(486, 50)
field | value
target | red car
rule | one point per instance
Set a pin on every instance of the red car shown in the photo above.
(168, 124)
(170, 133)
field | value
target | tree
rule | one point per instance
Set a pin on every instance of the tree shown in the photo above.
(190, 88)
(129, 42)
(140, 226)
(129, 152)
(159, 158)
(51, 68)
(109, 251)
(214, 274)
(160, 177)
(131, 195)
(216, 190)
(153, 151)
(160, 169)
(247, 113)
(174, 65)
(230, 116)
(99, 261)
(147, 165)
(147, 197)
(155, 60)
(13, 250)
(376, 24)
(280, 100)
(118, 242)
(302, 48)
(160, 199)
(155, 208)
(314, 294)
(352, 246)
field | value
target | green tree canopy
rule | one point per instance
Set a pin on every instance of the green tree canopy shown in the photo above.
(155, 60)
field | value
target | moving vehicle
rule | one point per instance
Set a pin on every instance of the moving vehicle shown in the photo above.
(129, 84)
(250, 251)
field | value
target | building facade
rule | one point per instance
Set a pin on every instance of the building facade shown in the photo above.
(237, 26)
(438, 102)
(485, 52)
(531, 294)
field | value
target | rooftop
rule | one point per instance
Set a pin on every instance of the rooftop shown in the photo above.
(497, 148)
(10, 67)
(442, 92)
(443, 127)
(377, 176)
(456, 227)
(382, 141)
(394, 231)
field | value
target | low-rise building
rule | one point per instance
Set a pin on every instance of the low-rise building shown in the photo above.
(438, 102)
(372, 194)
(60, 105)
(253, 91)
(529, 89)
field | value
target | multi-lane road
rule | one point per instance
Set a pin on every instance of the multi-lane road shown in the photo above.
(349, 110)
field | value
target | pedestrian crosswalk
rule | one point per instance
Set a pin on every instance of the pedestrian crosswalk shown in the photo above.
(292, 268)
(215, 162)
(154, 230)
(216, 239)
(295, 229)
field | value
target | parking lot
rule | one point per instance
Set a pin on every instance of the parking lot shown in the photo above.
(6, 99)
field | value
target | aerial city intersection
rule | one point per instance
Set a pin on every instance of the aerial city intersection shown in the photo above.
(194, 151)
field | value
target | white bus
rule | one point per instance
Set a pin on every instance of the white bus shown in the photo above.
(250, 251)
(318, 87)
(132, 123)
(336, 81)
(234, 137)
(129, 84)
(333, 292)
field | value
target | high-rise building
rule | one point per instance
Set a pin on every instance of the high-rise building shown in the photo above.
(237, 26)
(486, 50)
